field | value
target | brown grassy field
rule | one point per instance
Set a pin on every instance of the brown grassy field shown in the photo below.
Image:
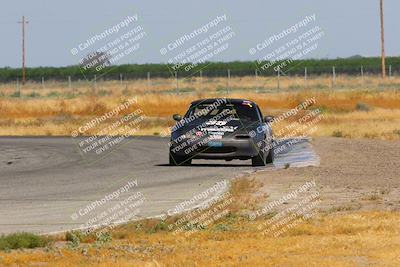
(344, 239)
(53, 111)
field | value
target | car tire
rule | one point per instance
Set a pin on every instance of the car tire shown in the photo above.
(259, 160)
(175, 160)
(271, 156)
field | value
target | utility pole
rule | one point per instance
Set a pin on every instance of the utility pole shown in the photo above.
(23, 22)
(382, 41)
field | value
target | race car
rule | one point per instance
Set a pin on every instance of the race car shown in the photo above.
(222, 128)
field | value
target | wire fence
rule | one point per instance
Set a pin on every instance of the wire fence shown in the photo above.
(222, 81)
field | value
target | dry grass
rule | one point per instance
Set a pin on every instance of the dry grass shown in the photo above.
(62, 114)
(352, 239)
(362, 239)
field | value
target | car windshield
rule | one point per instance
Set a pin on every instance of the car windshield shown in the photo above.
(243, 110)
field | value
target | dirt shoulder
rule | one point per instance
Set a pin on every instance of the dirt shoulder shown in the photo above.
(353, 175)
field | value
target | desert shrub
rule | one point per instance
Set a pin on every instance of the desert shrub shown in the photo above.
(22, 240)
(103, 92)
(72, 235)
(53, 94)
(33, 94)
(337, 133)
(362, 107)
(222, 227)
(160, 226)
(74, 238)
(103, 238)
(15, 94)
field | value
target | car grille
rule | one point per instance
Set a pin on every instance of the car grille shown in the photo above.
(242, 136)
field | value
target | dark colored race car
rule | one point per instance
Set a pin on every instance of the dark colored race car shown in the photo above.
(222, 128)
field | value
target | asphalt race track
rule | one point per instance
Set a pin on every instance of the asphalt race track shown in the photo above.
(46, 184)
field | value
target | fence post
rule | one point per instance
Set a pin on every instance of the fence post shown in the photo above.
(362, 74)
(305, 76)
(42, 82)
(278, 80)
(333, 76)
(201, 79)
(120, 79)
(228, 81)
(95, 82)
(256, 74)
(148, 81)
(18, 88)
(177, 82)
(69, 82)
(390, 71)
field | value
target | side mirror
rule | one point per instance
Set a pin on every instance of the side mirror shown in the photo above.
(177, 117)
(268, 119)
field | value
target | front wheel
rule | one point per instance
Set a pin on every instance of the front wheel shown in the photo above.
(271, 155)
(259, 160)
(175, 160)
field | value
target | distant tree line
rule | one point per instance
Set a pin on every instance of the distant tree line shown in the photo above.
(350, 66)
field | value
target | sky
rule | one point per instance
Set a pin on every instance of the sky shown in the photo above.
(350, 27)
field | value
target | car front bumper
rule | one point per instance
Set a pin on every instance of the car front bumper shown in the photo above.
(226, 148)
